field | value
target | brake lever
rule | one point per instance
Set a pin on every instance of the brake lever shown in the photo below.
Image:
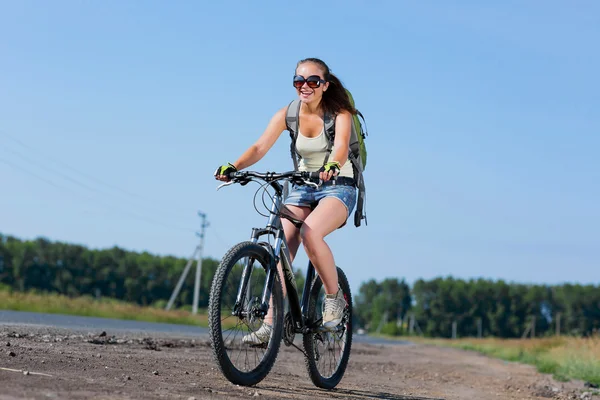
(310, 183)
(316, 185)
(231, 182)
(242, 182)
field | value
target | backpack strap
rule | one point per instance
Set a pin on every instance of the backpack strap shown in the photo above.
(359, 213)
(292, 119)
(364, 122)
(329, 126)
(292, 122)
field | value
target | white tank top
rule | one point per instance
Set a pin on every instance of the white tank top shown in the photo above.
(313, 151)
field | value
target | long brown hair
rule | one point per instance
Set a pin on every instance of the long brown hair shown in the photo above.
(335, 98)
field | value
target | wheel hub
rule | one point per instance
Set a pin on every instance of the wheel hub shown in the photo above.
(254, 318)
(289, 333)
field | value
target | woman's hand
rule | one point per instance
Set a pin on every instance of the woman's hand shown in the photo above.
(222, 173)
(329, 170)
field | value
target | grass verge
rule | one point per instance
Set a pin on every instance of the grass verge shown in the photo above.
(563, 357)
(87, 306)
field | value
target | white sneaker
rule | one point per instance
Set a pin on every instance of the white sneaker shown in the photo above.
(261, 335)
(333, 309)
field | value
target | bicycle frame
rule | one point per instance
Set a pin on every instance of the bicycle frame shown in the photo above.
(279, 252)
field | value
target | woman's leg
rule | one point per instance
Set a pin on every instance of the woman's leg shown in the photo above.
(292, 237)
(329, 215)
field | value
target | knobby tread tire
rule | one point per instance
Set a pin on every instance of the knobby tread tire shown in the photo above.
(311, 365)
(237, 252)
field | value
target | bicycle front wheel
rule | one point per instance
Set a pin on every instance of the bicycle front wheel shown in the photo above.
(244, 350)
(327, 351)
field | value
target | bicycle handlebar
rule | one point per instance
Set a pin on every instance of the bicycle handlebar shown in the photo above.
(298, 177)
(274, 176)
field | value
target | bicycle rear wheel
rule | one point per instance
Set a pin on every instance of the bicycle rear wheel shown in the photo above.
(327, 353)
(240, 362)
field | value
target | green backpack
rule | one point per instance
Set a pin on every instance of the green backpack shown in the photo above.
(357, 152)
(358, 134)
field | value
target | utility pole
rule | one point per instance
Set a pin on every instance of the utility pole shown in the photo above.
(454, 326)
(199, 263)
(197, 254)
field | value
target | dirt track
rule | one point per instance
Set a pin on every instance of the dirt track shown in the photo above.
(93, 365)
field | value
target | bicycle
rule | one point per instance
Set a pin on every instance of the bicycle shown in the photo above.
(250, 306)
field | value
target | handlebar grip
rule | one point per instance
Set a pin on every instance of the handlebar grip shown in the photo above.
(313, 175)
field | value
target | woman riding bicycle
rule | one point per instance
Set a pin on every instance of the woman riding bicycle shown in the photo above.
(322, 209)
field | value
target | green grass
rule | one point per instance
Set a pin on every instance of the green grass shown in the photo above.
(563, 357)
(88, 306)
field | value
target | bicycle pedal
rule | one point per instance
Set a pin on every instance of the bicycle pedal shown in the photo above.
(258, 346)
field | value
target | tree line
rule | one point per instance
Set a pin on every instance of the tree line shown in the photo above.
(75, 270)
(440, 307)
(478, 308)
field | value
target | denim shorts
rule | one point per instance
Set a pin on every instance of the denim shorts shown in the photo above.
(309, 196)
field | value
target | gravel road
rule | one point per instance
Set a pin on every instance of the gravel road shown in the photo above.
(107, 360)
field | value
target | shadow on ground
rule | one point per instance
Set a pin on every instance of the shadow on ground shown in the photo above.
(346, 394)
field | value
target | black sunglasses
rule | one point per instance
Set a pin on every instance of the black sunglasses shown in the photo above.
(313, 81)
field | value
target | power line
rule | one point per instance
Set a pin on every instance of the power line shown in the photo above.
(73, 180)
(86, 185)
(129, 213)
(32, 174)
(65, 165)
(219, 237)
(131, 196)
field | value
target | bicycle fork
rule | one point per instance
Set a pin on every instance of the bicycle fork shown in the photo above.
(243, 290)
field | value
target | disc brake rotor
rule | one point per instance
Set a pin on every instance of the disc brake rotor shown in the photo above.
(288, 330)
(254, 321)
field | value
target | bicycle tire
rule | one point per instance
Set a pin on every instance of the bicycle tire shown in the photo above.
(311, 359)
(229, 370)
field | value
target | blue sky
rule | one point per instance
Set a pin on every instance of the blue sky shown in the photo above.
(483, 127)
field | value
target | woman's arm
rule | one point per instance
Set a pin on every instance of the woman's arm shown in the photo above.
(342, 137)
(258, 150)
(341, 144)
